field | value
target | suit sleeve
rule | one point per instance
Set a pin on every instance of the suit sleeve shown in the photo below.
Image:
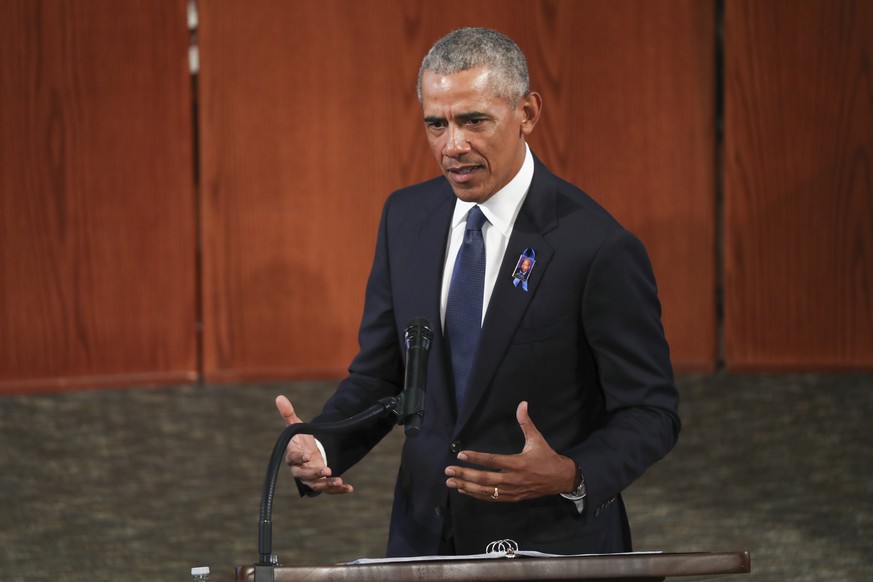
(622, 321)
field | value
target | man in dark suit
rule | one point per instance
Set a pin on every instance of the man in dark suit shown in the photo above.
(562, 394)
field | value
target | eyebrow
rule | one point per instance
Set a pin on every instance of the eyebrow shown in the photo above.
(461, 117)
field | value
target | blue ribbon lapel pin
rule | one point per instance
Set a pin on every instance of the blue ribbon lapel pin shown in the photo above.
(523, 268)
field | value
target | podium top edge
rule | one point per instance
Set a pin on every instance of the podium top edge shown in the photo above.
(653, 566)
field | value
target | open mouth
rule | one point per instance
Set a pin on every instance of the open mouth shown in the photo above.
(464, 171)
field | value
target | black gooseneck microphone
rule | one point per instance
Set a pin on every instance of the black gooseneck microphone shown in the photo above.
(408, 407)
(418, 337)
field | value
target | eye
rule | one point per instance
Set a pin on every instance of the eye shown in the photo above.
(435, 124)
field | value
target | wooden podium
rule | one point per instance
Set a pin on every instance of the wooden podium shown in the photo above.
(627, 567)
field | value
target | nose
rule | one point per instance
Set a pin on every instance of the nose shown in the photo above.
(456, 142)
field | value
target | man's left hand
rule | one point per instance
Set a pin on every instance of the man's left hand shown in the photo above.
(536, 471)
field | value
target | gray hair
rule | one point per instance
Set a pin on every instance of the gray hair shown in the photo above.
(469, 48)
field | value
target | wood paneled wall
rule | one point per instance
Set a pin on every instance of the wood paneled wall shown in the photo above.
(798, 185)
(111, 259)
(310, 119)
(97, 213)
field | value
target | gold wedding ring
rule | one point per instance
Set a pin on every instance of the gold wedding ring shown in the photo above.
(495, 495)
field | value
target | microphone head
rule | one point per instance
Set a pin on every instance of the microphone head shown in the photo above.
(418, 331)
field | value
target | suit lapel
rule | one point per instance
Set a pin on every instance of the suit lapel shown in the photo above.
(423, 272)
(508, 303)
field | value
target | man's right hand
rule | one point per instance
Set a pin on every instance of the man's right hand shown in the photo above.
(305, 459)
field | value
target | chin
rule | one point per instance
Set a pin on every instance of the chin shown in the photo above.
(474, 196)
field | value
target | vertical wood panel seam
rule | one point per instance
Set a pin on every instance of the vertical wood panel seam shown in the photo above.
(719, 153)
(198, 213)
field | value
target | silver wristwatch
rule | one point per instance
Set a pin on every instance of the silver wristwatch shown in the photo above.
(579, 491)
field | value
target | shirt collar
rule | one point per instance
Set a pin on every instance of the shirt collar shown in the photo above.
(502, 208)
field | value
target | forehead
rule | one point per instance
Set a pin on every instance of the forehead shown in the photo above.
(464, 88)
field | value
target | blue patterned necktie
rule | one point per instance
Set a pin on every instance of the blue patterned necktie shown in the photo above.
(464, 305)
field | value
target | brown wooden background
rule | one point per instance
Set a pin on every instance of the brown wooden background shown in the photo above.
(97, 212)
(799, 185)
(112, 258)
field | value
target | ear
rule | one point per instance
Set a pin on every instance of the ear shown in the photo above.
(530, 106)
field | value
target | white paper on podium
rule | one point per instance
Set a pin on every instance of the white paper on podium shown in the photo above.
(495, 550)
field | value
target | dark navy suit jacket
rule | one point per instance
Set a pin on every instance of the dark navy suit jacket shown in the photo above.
(583, 345)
